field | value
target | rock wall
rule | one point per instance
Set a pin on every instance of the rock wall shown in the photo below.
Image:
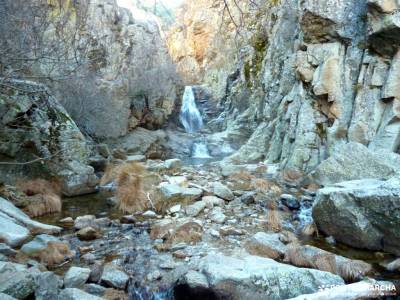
(310, 76)
(110, 67)
(39, 139)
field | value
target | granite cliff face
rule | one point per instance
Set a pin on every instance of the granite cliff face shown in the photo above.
(307, 77)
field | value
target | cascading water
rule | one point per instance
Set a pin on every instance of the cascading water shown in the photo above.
(200, 150)
(191, 119)
(190, 116)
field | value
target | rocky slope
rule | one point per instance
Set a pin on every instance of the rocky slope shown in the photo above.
(312, 76)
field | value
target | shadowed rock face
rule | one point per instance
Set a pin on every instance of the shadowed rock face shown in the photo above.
(34, 124)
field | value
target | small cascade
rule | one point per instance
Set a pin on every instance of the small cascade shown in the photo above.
(190, 116)
(200, 150)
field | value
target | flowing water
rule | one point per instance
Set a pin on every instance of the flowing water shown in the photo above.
(190, 116)
(200, 150)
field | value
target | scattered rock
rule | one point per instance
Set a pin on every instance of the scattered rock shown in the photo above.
(76, 277)
(290, 201)
(175, 209)
(136, 158)
(178, 180)
(38, 244)
(95, 289)
(6, 250)
(76, 294)
(66, 222)
(230, 230)
(217, 215)
(248, 197)
(222, 191)
(266, 244)
(196, 208)
(156, 275)
(212, 201)
(149, 214)
(47, 284)
(88, 234)
(129, 219)
(114, 277)
(85, 221)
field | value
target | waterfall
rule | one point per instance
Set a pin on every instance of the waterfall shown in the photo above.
(200, 150)
(190, 116)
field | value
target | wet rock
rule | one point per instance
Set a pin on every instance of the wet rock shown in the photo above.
(76, 294)
(266, 244)
(217, 215)
(66, 222)
(16, 280)
(76, 277)
(253, 277)
(196, 208)
(222, 191)
(195, 279)
(156, 275)
(85, 221)
(290, 201)
(352, 213)
(114, 277)
(128, 219)
(47, 284)
(88, 234)
(354, 161)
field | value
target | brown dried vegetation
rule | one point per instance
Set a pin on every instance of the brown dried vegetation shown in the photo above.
(43, 197)
(55, 254)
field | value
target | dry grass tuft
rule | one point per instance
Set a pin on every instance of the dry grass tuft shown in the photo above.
(113, 294)
(295, 256)
(325, 262)
(132, 191)
(44, 197)
(242, 176)
(353, 270)
(274, 221)
(309, 230)
(55, 254)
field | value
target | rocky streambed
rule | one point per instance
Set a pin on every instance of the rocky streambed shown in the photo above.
(224, 231)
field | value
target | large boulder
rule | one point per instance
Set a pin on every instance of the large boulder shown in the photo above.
(254, 277)
(353, 161)
(30, 115)
(16, 280)
(361, 213)
(76, 294)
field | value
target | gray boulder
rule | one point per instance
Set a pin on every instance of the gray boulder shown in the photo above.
(38, 244)
(222, 191)
(48, 284)
(266, 244)
(353, 161)
(16, 225)
(361, 213)
(76, 294)
(114, 277)
(254, 277)
(16, 280)
(76, 277)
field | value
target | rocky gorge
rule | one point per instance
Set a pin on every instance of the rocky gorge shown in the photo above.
(241, 150)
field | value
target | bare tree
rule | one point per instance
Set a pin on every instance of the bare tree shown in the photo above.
(39, 39)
